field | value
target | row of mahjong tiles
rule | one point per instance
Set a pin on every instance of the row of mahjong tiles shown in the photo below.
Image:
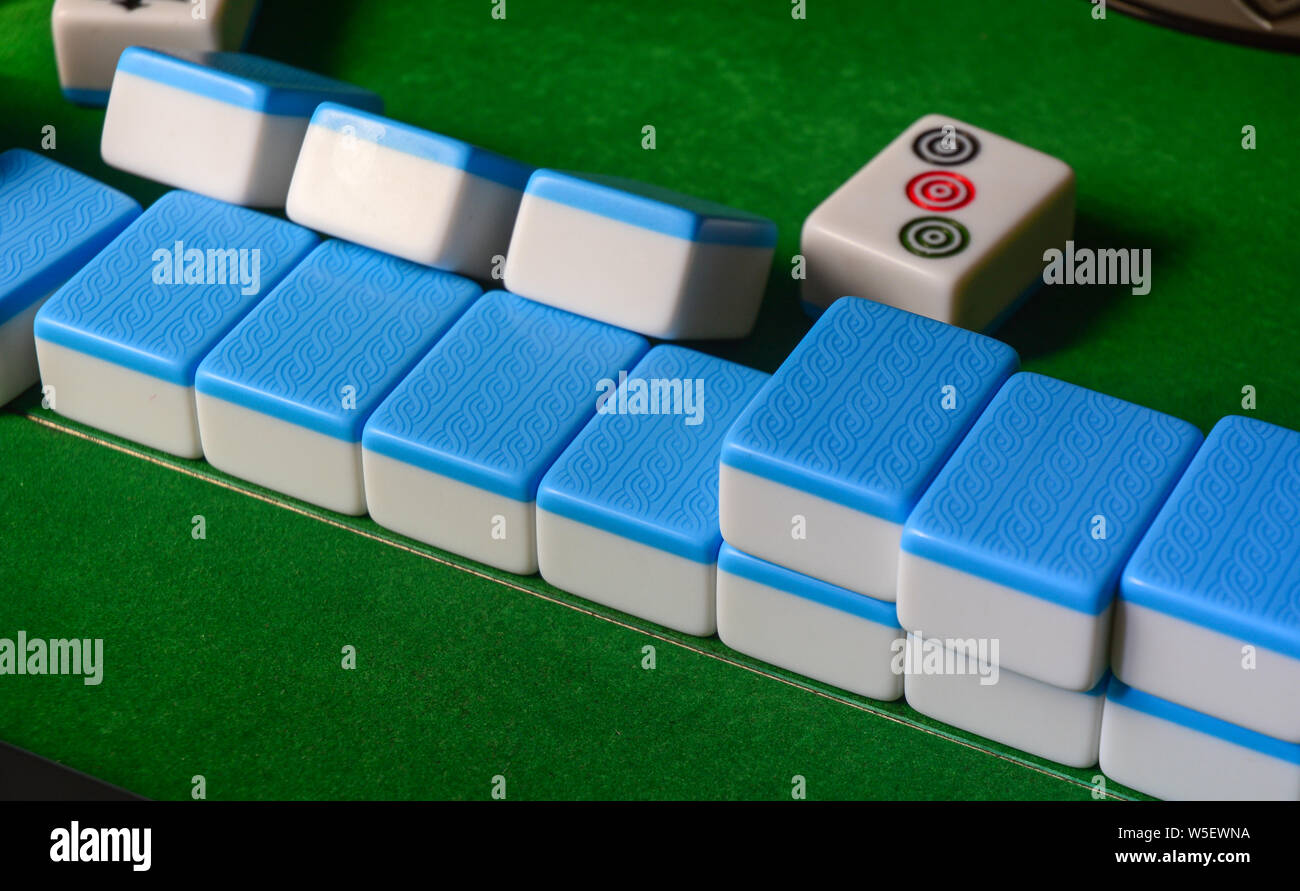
(465, 429)
(792, 456)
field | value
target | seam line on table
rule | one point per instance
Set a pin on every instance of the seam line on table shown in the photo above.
(330, 521)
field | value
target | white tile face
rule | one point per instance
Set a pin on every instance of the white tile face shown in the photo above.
(627, 575)
(1170, 761)
(1206, 670)
(1060, 725)
(282, 456)
(126, 403)
(1038, 638)
(199, 144)
(811, 638)
(635, 278)
(18, 368)
(89, 35)
(567, 257)
(954, 230)
(450, 514)
(842, 546)
(400, 203)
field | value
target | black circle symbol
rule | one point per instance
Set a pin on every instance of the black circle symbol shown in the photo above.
(934, 236)
(946, 146)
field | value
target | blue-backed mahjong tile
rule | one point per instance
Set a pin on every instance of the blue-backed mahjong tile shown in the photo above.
(397, 188)
(1210, 601)
(628, 515)
(368, 127)
(52, 221)
(635, 255)
(823, 468)
(244, 80)
(477, 423)
(223, 124)
(120, 342)
(802, 624)
(282, 400)
(1176, 753)
(1024, 533)
(646, 466)
(647, 206)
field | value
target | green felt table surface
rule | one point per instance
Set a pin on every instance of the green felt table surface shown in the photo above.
(222, 656)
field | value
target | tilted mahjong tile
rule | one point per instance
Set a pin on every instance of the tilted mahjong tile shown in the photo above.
(644, 258)
(406, 191)
(226, 125)
(949, 221)
(90, 35)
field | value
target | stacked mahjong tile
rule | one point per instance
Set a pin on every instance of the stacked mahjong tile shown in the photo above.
(896, 511)
(1206, 697)
(1011, 519)
(1021, 540)
(819, 474)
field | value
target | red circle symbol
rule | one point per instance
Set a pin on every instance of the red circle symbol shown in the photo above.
(940, 190)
